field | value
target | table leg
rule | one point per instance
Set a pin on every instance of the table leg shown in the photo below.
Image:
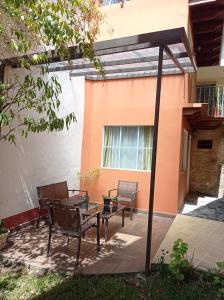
(106, 230)
(122, 217)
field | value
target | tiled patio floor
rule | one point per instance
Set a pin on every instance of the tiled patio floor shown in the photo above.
(204, 237)
(124, 252)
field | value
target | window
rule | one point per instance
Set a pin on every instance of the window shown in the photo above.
(184, 150)
(205, 144)
(127, 147)
(110, 2)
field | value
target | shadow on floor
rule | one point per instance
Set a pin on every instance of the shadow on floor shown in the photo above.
(124, 252)
(213, 210)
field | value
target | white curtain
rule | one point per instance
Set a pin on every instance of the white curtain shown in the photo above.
(109, 2)
(127, 147)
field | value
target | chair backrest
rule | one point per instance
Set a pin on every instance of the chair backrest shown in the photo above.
(64, 217)
(53, 191)
(126, 188)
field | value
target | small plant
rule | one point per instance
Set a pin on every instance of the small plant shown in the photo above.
(179, 262)
(162, 267)
(218, 279)
(88, 177)
(220, 266)
(114, 199)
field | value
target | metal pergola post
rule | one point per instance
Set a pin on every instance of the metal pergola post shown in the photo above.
(153, 167)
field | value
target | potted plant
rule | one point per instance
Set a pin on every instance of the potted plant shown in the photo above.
(115, 203)
(106, 202)
(3, 234)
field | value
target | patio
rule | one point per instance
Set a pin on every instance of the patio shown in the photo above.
(124, 251)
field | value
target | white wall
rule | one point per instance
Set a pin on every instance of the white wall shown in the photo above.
(43, 158)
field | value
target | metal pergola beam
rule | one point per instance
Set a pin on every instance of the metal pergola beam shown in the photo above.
(127, 70)
(151, 39)
(132, 75)
(117, 62)
(174, 59)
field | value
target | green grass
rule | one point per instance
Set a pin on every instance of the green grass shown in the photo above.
(20, 284)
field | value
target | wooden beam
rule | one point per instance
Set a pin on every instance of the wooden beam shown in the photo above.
(207, 14)
(209, 43)
(214, 57)
(208, 37)
(207, 27)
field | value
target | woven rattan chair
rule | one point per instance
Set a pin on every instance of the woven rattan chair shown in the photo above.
(126, 192)
(51, 192)
(66, 220)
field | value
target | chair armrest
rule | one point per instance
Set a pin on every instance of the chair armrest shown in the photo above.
(109, 192)
(133, 195)
(46, 201)
(90, 217)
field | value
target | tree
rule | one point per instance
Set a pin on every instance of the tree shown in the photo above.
(28, 30)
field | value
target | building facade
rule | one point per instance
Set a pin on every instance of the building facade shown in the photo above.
(114, 128)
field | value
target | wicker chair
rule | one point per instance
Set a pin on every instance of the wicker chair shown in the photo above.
(66, 220)
(56, 191)
(126, 192)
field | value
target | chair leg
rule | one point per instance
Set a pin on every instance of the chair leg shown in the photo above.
(98, 233)
(68, 239)
(132, 208)
(49, 243)
(78, 251)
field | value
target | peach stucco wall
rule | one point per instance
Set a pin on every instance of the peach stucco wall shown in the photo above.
(131, 102)
(142, 16)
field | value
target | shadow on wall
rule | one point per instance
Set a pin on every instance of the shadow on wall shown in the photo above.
(38, 160)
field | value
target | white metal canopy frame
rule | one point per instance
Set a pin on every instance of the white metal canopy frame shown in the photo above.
(150, 54)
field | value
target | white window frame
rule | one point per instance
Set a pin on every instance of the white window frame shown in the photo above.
(184, 150)
(120, 127)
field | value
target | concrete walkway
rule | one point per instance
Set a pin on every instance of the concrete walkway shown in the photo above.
(204, 237)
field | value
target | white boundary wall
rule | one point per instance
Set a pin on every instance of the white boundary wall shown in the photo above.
(43, 158)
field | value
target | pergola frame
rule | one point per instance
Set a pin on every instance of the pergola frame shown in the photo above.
(162, 40)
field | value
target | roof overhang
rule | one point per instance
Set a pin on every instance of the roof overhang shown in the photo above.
(207, 27)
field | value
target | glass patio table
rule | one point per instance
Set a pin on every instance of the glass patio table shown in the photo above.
(87, 209)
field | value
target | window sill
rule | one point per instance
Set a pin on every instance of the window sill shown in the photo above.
(129, 170)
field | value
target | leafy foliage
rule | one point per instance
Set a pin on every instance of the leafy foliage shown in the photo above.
(179, 263)
(28, 30)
